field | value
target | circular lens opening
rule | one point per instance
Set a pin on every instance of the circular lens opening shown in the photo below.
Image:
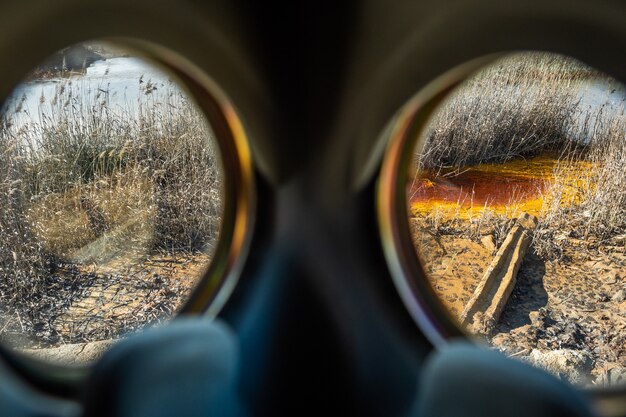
(511, 191)
(115, 200)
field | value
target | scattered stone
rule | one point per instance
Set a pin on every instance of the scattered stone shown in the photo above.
(540, 318)
(573, 366)
(488, 242)
(619, 296)
(574, 302)
(611, 376)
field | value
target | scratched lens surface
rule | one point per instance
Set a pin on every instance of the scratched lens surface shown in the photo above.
(518, 215)
(110, 201)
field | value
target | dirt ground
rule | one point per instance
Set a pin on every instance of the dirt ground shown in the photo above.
(124, 296)
(567, 316)
(89, 303)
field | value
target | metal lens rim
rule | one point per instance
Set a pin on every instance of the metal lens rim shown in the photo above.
(404, 133)
(238, 213)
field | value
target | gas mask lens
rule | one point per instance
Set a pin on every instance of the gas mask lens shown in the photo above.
(111, 194)
(516, 209)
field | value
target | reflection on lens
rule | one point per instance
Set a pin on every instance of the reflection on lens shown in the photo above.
(110, 199)
(518, 213)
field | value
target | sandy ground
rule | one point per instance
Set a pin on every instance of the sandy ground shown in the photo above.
(125, 295)
(89, 303)
(568, 316)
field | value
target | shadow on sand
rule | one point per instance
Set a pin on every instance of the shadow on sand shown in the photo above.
(529, 295)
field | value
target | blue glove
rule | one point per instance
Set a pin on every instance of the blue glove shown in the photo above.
(467, 381)
(19, 400)
(187, 368)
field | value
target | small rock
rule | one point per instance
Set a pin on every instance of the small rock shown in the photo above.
(536, 319)
(570, 365)
(482, 324)
(619, 296)
(488, 242)
(527, 221)
(540, 318)
(612, 376)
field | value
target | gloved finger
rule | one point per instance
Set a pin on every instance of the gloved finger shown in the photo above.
(187, 368)
(17, 399)
(464, 380)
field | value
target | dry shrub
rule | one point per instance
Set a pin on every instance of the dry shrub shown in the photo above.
(524, 106)
(126, 202)
(152, 178)
(519, 107)
(604, 203)
(598, 212)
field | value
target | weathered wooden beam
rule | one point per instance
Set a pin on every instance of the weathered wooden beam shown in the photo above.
(484, 308)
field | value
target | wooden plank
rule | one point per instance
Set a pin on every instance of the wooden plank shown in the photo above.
(484, 308)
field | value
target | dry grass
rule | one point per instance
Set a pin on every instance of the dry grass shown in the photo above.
(522, 107)
(599, 213)
(62, 225)
(88, 183)
(541, 119)
(515, 109)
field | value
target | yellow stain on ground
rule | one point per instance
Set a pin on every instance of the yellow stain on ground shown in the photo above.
(522, 185)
